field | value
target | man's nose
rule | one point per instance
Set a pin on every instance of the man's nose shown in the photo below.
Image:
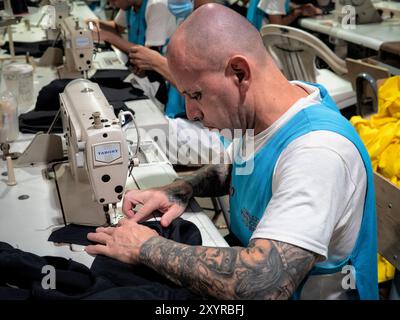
(192, 111)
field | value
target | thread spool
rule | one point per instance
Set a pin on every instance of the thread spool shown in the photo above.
(18, 78)
(9, 127)
(10, 172)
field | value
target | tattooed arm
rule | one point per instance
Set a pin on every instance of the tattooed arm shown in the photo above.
(210, 181)
(266, 269)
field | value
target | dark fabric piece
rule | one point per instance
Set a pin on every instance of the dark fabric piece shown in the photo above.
(35, 121)
(110, 78)
(179, 230)
(24, 270)
(72, 233)
(48, 101)
(121, 273)
(21, 274)
(162, 92)
(232, 240)
(35, 49)
(242, 10)
(154, 291)
(19, 6)
(7, 293)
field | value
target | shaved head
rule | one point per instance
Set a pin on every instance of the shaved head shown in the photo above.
(221, 67)
(210, 36)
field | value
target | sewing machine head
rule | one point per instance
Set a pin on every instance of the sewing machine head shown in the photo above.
(78, 48)
(62, 10)
(53, 12)
(97, 149)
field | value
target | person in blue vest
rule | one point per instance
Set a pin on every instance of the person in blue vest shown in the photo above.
(147, 59)
(149, 23)
(278, 12)
(301, 197)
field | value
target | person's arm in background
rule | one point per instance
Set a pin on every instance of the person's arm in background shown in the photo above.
(160, 26)
(147, 59)
(285, 19)
(277, 11)
(116, 40)
(110, 31)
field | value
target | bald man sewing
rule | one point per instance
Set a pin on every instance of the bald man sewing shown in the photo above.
(304, 212)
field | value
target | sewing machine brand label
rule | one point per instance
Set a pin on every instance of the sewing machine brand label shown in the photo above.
(82, 42)
(108, 152)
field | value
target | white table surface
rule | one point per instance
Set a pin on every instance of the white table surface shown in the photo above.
(371, 35)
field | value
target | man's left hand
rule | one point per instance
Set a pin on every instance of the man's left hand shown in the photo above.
(122, 242)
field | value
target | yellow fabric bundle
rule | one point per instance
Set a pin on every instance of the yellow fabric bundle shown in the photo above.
(381, 134)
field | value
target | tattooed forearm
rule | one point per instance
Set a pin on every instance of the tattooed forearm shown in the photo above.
(179, 192)
(210, 181)
(264, 270)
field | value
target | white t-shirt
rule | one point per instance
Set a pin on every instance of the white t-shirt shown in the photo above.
(318, 189)
(161, 23)
(273, 7)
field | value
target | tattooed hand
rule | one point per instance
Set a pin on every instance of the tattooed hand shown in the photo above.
(170, 200)
(122, 243)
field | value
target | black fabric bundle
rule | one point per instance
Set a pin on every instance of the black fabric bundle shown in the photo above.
(21, 274)
(38, 48)
(35, 49)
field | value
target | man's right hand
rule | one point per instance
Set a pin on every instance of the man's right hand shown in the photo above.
(170, 200)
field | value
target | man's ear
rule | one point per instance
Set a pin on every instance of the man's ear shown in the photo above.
(238, 66)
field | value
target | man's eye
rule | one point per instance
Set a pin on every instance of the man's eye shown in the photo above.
(196, 96)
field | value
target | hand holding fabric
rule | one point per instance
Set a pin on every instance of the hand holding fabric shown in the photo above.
(122, 242)
(171, 201)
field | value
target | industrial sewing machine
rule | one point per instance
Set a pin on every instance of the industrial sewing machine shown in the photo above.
(356, 11)
(78, 49)
(96, 174)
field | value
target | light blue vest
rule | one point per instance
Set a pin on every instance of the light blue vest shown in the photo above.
(255, 15)
(175, 107)
(250, 194)
(136, 22)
